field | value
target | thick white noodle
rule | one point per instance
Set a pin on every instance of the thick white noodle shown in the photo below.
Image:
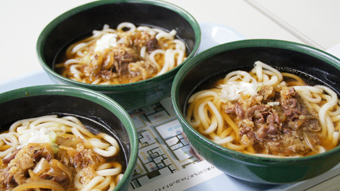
(166, 66)
(272, 81)
(77, 182)
(232, 79)
(73, 119)
(201, 115)
(48, 125)
(335, 118)
(202, 94)
(217, 114)
(194, 123)
(314, 98)
(110, 139)
(211, 128)
(112, 185)
(236, 75)
(179, 44)
(269, 73)
(265, 66)
(336, 112)
(13, 127)
(80, 53)
(72, 61)
(321, 149)
(58, 120)
(110, 172)
(180, 58)
(158, 30)
(152, 58)
(265, 78)
(131, 26)
(109, 152)
(330, 111)
(259, 73)
(148, 29)
(309, 88)
(106, 28)
(169, 56)
(142, 52)
(104, 166)
(171, 35)
(119, 177)
(78, 47)
(77, 133)
(98, 143)
(324, 109)
(7, 151)
(103, 184)
(224, 140)
(23, 129)
(76, 73)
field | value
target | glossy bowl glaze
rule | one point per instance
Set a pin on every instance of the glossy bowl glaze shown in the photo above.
(222, 59)
(82, 20)
(93, 109)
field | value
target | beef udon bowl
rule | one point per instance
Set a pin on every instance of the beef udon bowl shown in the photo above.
(264, 111)
(129, 50)
(58, 137)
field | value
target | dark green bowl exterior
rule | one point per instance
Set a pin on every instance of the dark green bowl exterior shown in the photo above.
(84, 19)
(241, 55)
(60, 99)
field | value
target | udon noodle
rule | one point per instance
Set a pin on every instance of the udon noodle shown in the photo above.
(267, 113)
(123, 55)
(51, 153)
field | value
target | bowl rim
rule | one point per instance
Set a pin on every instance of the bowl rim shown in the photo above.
(92, 96)
(47, 30)
(270, 43)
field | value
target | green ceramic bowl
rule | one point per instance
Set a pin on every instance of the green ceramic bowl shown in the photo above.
(222, 59)
(92, 108)
(82, 20)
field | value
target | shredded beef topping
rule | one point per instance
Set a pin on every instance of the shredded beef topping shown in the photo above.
(274, 121)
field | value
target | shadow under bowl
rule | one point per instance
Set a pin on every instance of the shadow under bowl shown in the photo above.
(96, 111)
(215, 63)
(79, 22)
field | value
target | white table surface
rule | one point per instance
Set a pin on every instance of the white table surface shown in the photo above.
(21, 22)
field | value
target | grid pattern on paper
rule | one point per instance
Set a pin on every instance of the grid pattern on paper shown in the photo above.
(163, 150)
